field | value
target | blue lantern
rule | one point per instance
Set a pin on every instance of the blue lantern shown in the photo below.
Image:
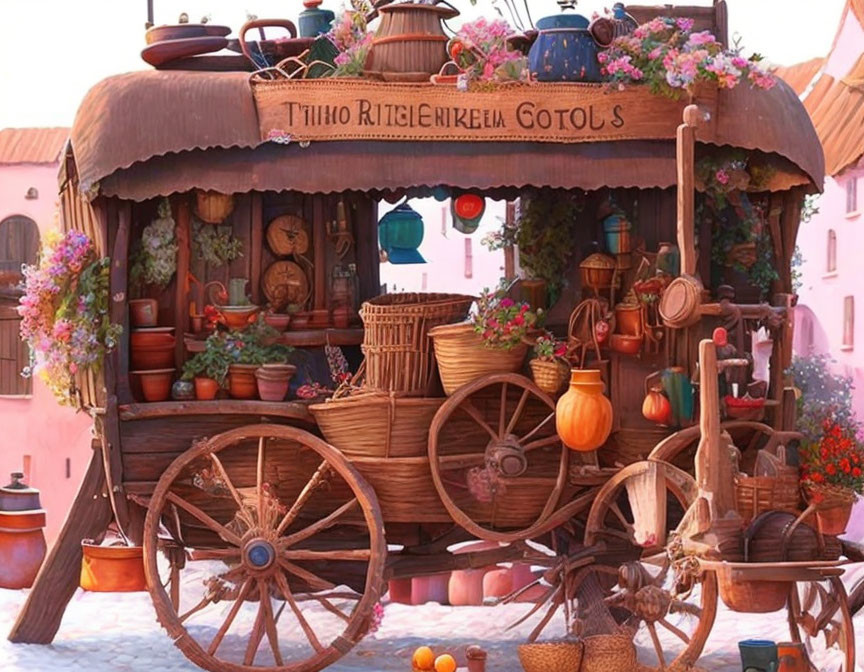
(400, 233)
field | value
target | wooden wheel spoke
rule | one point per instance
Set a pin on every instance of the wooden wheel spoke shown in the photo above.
(517, 414)
(270, 621)
(198, 607)
(502, 412)
(282, 583)
(259, 481)
(454, 462)
(319, 526)
(540, 426)
(657, 646)
(535, 633)
(674, 630)
(224, 554)
(537, 607)
(332, 608)
(353, 555)
(217, 463)
(614, 508)
(193, 510)
(541, 443)
(255, 636)
(304, 496)
(309, 577)
(477, 416)
(681, 607)
(611, 532)
(232, 614)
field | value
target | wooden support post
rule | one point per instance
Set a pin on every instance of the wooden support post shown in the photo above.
(686, 142)
(510, 251)
(40, 617)
(257, 237)
(319, 246)
(119, 294)
(181, 301)
(781, 360)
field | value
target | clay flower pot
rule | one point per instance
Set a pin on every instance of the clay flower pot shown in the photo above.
(241, 381)
(274, 380)
(206, 389)
(279, 321)
(237, 317)
(112, 569)
(22, 547)
(152, 348)
(583, 416)
(143, 312)
(156, 384)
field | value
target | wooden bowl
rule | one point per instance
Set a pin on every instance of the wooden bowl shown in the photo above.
(182, 31)
(625, 344)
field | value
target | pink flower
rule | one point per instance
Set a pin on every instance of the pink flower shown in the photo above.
(685, 25)
(507, 302)
(722, 176)
(702, 37)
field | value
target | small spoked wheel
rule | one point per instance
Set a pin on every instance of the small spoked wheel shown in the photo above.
(496, 459)
(271, 535)
(820, 618)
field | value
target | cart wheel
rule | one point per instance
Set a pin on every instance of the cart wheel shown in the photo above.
(819, 616)
(270, 517)
(496, 459)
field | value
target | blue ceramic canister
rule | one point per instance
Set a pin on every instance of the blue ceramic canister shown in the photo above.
(616, 229)
(564, 51)
(313, 20)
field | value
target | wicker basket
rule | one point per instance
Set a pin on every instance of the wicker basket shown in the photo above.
(396, 340)
(551, 656)
(609, 653)
(377, 425)
(756, 494)
(549, 376)
(463, 357)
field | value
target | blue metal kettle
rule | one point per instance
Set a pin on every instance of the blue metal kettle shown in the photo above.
(314, 21)
(564, 51)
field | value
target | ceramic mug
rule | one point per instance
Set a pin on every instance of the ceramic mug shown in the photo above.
(758, 655)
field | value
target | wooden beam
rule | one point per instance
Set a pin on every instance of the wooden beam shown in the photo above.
(510, 251)
(257, 238)
(181, 304)
(685, 159)
(90, 514)
(319, 246)
(118, 313)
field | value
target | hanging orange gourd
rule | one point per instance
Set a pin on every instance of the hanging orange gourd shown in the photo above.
(656, 407)
(583, 415)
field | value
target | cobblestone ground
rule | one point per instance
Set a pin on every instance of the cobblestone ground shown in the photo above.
(119, 633)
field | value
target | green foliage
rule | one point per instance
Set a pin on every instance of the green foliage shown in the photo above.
(154, 257)
(215, 245)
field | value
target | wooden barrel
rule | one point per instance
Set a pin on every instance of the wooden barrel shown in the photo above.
(410, 43)
(679, 305)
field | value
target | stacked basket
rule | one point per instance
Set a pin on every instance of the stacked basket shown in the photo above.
(384, 427)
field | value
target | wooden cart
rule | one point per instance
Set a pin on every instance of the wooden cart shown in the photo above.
(245, 503)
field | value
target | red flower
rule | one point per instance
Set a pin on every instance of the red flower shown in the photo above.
(856, 471)
(845, 466)
(817, 477)
(830, 469)
(519, 320)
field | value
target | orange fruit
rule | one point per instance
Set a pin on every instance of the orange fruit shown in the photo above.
(445, 663)
(423, 659)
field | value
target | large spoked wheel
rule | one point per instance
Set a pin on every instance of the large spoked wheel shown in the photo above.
(819, 616)
(496, 459)
(261, 523)
(669, 610)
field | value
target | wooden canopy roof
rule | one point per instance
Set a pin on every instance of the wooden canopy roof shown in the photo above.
(151, 133)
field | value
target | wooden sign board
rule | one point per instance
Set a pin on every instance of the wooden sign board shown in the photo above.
(324, 110)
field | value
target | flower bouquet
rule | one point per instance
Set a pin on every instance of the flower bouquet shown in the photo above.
(482, 56)
(671, 59)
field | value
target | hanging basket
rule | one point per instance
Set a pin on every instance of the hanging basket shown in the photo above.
(549, 376)
(463, 357)
(212, 207)
(833, 506)
(112, 569)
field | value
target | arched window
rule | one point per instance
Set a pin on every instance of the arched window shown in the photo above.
(831, 266)
(19, 245)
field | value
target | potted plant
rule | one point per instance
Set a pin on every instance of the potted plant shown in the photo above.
(248, 350)
(548, 367)
(209, 369)
(833, 474)
(493, 342)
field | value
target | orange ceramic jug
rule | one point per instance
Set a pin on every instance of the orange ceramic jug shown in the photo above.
(583, 416)
(22, 542)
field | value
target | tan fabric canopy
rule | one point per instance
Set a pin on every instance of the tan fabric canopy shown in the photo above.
(152, 133)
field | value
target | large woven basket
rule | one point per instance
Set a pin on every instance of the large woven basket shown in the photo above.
(377, 425)
(609, 653)
(396, 340)
(756, 494)
(551, 656)
(463, 357)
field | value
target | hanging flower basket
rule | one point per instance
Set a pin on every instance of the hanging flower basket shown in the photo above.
(833, 506)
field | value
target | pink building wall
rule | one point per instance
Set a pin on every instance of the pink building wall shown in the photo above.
(37, 426)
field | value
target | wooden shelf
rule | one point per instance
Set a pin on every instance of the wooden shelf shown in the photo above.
(292, 410)
(307, 338)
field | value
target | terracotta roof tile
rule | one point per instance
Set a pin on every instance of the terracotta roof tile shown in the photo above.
(32, 145)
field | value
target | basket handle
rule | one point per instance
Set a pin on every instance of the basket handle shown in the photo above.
(261, 24)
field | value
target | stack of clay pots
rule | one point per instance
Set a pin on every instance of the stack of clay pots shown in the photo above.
(151, 350)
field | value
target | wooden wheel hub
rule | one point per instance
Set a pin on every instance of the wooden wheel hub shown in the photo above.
(506, 457)
(259, 554)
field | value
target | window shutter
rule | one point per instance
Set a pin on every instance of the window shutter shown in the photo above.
(13, 353)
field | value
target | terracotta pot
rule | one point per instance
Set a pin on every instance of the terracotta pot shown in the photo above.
(465, 588)
(498, 583)
(429, 589)
(628, 319)
(626, 345)
(400, 590)
(112, 569)
(273, 382)
(154, 337)
(143, 312)
(833, 520)
(241, 381)
(237, 317)
(149, 359)
(278, 321)
(792, 657)
(300, 321)
(156, 384)
(476, 659)
(22, 547)
(206, 389)
(583, 415)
